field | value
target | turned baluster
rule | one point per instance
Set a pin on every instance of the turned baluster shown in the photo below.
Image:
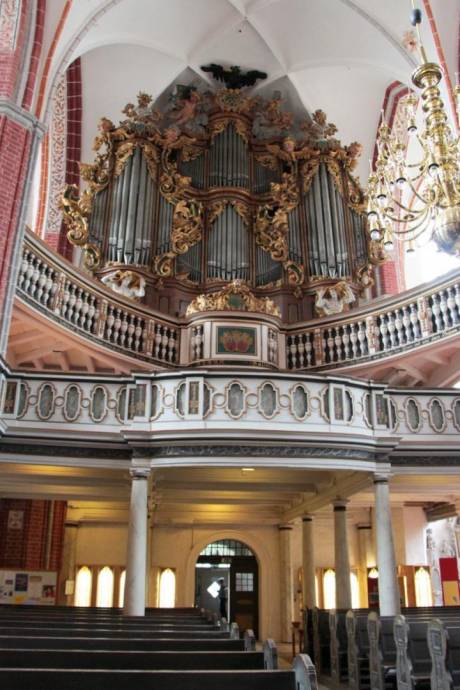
(110, 320)
(78, 306)
(138, 334)
(50, 288)
(446, 322)
(23, 270)
(406, 325)
(384, 332)
(301, 350)
(130, 332)
(457, 296)
(362, 338)
(309, 349)
(164, 344)
(293, 352)
(116, 326)
(41, 282)
(436, 313)
(172, 345)
(338, 345)
(28, 274)
(346, 341)
(157, 340)
(392, 329)
(451, 306)
(71, 303)
(124, 328)
(84, 309)
(353, 339)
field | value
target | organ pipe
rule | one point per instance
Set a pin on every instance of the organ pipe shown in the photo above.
(154, 183)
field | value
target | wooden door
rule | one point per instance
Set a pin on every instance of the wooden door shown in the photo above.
(244, 593)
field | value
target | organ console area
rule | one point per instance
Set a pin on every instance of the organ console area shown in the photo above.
(223, 188)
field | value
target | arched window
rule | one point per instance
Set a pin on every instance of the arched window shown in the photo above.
(121, 590)
(329, 589)
(83, 587)
(167, 596)
(423, 594)
(104, 594)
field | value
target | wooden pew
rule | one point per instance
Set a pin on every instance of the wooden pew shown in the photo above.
(321, 640)
(130, 659)
(301, 677)
(413, 664)
(395, 658)
(338, 645)
(444, 646)
(89, 631)
(357, 651)
(308, 647)
(121, 643)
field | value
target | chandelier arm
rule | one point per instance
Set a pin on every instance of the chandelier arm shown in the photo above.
(414, 212)
(414, 228)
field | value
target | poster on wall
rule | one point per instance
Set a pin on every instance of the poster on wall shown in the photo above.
(28, 587)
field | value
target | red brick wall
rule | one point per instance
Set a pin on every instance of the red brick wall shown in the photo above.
(14, 153)
(38, 545)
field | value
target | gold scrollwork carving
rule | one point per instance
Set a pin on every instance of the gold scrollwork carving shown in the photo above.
(75, 215)
(234, 296)
(187, 225)
(215, 210)
(267, 160)
(234, 101)
(271, 223)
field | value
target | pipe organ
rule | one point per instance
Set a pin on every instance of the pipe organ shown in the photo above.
(223, 187)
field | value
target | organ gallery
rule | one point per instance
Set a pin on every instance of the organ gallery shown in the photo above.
(222, 186)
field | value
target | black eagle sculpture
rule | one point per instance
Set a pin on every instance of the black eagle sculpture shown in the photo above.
(234, 78)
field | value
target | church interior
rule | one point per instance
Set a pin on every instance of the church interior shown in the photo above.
(229, 332)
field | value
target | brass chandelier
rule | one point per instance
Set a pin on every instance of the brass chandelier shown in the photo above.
(408, 200)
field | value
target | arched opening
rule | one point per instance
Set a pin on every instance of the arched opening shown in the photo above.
(234, 563)
(167, 589)
(83, 587)
(105, 583)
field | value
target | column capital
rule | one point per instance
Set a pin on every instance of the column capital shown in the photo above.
(139, 472)
(362, 525)
(340, 505)
(381, 478)
(285, 527)
(307, 518)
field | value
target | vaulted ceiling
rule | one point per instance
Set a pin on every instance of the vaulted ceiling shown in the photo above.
(338, 55)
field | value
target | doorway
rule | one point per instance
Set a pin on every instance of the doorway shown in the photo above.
(235, 563)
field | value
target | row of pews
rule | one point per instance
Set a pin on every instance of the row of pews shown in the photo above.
(416, 650)
(62, 648)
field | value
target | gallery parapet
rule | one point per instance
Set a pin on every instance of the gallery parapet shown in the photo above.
(235, 327)
(348, 419)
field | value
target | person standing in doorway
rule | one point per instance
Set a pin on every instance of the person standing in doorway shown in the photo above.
(223, 598)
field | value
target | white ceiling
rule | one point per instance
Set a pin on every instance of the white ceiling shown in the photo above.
(339, 55)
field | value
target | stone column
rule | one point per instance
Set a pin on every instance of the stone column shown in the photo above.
(342, 560)
(366, 560)
(389, 599)
(286, 594)
(67, 574)
(308, 563)
(136, 559)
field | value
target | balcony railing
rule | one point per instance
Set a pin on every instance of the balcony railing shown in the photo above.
(52, 284)
(388, 327)
(385, 327)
